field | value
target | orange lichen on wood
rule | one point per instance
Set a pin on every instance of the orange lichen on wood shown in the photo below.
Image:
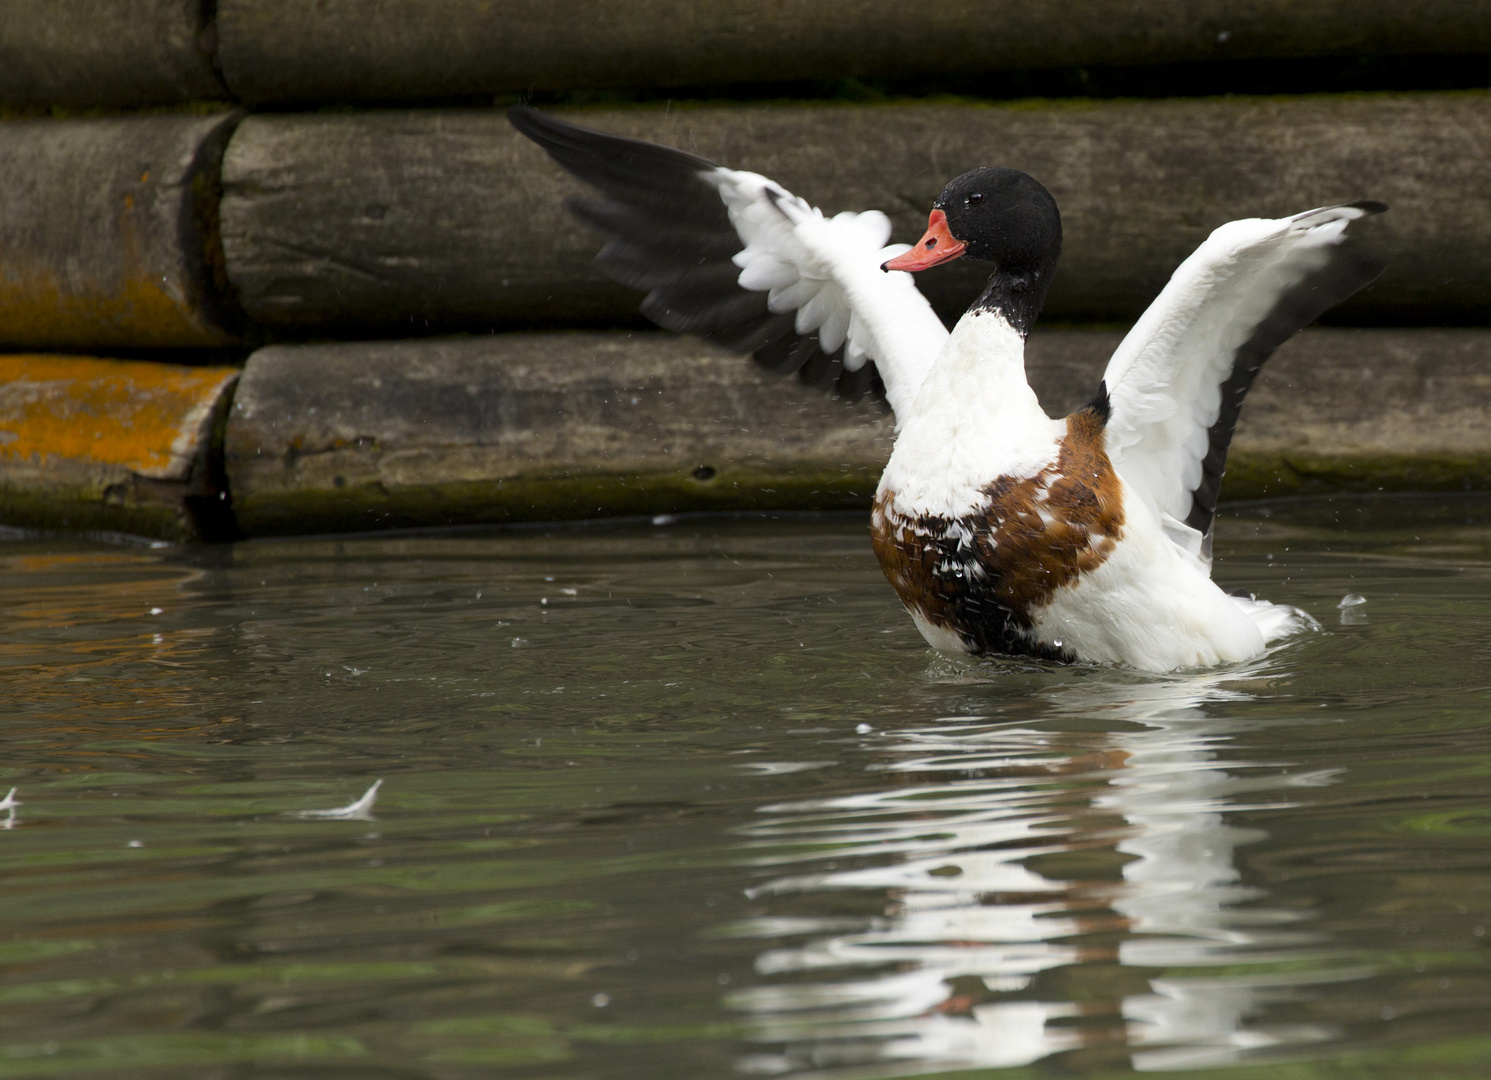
(108, 235)
(37, 307)
(149, 418)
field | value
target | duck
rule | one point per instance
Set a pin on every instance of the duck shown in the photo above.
(1002, 530)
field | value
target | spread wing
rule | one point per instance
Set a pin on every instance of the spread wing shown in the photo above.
(735, 258)
(1177, 381)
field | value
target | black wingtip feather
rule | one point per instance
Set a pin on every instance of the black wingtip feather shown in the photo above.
(628, 169)
(685, 236)
(780, 353)
(1353, 267)
(562, 137)
(685, 311)
(672, 238)
(755, 334)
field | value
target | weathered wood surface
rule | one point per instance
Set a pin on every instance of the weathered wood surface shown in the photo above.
(279, 51)
(108, 232)
(106, 53)
(532, 427)
(122, 446)
(1342, 409)
(411, 221)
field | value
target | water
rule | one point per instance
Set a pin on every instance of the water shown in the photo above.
(694, 801)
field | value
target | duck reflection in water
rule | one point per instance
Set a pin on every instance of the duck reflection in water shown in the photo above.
(1050, 891)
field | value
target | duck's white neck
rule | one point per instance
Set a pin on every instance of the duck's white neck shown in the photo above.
(984, 357)
(975, 419)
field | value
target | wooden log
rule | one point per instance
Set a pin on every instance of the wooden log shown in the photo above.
(90, 444)
(413, 221)
(1362, 410)
(108, 233)
(534, 427)
(278, 51)
(106, 53)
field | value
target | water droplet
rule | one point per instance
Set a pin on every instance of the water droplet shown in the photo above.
(862, 729)
(1352, 612)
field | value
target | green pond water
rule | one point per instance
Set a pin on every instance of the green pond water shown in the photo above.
(693, 800)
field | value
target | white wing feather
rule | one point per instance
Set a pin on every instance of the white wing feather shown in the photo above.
(828, 271)
(1165, 380)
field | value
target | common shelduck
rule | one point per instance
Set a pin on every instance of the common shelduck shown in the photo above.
(1002, 530)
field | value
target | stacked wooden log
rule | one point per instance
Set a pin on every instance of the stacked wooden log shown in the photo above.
(422, 339)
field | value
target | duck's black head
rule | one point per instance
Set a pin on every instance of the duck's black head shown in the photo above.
(1000, 216)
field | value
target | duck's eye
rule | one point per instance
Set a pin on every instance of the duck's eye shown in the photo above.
(975, 199)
